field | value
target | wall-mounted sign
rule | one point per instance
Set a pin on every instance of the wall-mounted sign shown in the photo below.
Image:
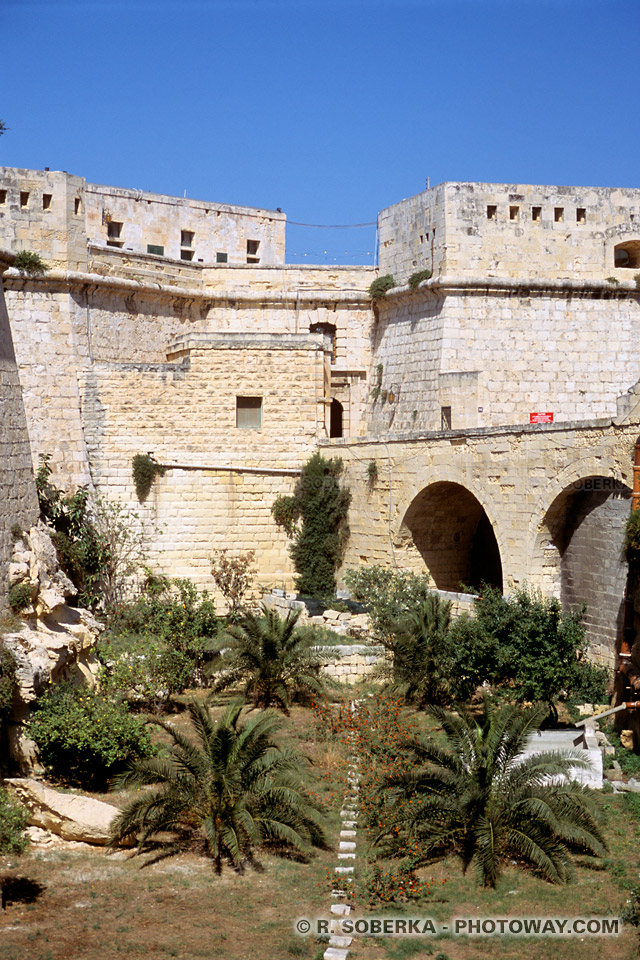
(541, 417)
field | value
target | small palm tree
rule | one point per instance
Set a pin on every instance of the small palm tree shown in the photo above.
(272, 659)
(228, 792)
(422, 653)
(480, 798)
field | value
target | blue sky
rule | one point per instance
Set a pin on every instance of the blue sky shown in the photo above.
(330, 110)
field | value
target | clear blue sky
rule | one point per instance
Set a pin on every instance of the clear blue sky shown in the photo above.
(330, 110)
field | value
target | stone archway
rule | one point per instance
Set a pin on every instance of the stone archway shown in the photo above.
(452, 532)
(582, 537)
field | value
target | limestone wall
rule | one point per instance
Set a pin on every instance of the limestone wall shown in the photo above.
(18, 500)
(494, 356)
(501, 230)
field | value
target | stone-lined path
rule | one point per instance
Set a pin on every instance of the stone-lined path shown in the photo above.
(338, 948)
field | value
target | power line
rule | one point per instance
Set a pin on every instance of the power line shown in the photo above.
(332, 226)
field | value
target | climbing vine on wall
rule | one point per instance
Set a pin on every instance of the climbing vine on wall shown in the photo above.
(145, 469)
(315, 517)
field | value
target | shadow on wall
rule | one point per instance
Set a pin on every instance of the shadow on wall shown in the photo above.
(454, 536)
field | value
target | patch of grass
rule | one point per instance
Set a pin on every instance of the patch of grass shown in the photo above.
(628, 760)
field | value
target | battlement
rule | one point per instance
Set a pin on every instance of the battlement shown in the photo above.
(59, 216)
(502, 230)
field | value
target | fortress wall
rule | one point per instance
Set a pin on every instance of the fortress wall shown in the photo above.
(50, 335)
(411, 235)
(508, 352)
(18, 500)
(184, 412)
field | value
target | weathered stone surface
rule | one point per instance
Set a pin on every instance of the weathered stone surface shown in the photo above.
(69, 816)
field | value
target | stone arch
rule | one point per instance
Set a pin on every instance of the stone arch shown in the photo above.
(627, 254)
(451, 531)
(579, 555)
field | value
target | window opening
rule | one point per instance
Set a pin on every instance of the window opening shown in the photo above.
(581, 215)
(558, 214)
(186, 238)
(337, 419)
(514, 213)
(46, 201)
(155, 249)
(627, 254)
(77, 206)
(252, 251)
(222, 257)
(445, 418)
(24, 198)
(248, 413)
(492, 212)
(3, 197)
(114, 231)
(536, 214)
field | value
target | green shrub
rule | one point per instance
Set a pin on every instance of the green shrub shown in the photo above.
(380, 286)
(144, 470)
(372, 473)
(416, 278)
(315, 517)
(85, 737)
(16, 532)
(20, 597)
(8, 680)
(30, 263)
(389, 595)
(632, 537)
(13, 822)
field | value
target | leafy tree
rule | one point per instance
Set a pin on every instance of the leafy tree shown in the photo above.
(527, 644)
(229, 791)
(273, 660)
(315, 516)
(478, 798)
(423, 656)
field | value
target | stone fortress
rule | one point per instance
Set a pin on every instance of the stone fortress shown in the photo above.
(175, 327)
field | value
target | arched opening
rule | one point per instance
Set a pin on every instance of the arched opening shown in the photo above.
(336, 419)
(454, 536)
(584, 530)
(627, 254)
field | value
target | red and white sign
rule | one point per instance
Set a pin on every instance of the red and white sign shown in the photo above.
(541, 417)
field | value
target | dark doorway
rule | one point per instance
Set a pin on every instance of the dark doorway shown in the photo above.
(337, 413)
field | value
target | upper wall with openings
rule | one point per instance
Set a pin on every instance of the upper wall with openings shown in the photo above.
(61, 216)
(515, 231)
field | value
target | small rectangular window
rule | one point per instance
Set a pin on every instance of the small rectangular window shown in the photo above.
(114, 231)
(222, 257)
(252, 247)
(249, 413)
(24, 198)
(492, 212)
(514, 213)
(155, 249)
(186, 238)
(77, 206)
(445, 418)
(186, 254)
(46, 201)
(536, 214)
(558, 214)
(581, 215)
(3, 197)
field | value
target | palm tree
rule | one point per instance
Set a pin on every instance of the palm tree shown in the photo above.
(272, 658)
(422, 653)
(480, 798)
(229, 791)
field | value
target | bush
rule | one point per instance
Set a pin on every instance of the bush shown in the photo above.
(632, 538)
(13, 822)
(389, 595)
(162, 643)
(380, 286)
(8, 682)
(315, 516)
(233, 576)
(20, 597)
(144, 470)
(416, 278)
(85, 737)
(30, 263)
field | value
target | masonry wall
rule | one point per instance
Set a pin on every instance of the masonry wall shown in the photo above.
(18, 500)
(500, 230)
(495, 356)
(222, 479)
